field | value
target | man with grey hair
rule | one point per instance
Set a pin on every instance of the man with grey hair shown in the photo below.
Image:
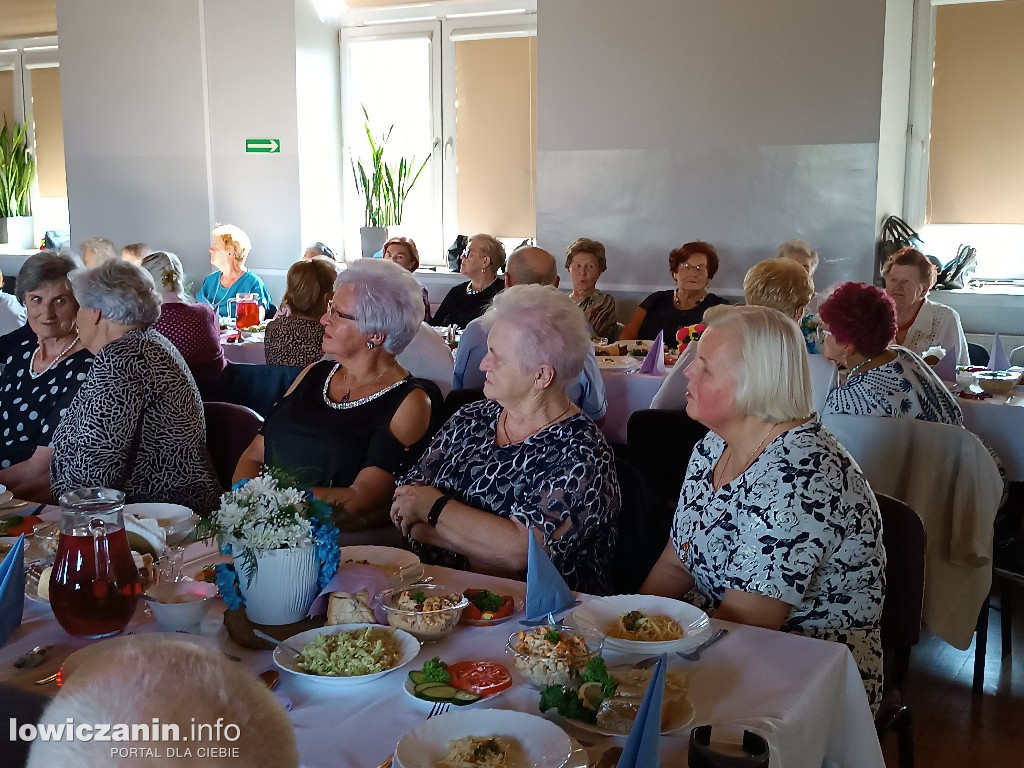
(97, 250)
(529, 265)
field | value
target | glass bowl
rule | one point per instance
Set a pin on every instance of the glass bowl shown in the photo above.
(542, 659)
(430, 618)
(997, 382)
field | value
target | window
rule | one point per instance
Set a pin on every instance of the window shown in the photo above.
(460, 88)
(965, 166)
(30, 89)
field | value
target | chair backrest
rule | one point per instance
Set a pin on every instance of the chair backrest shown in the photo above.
(437, 409)
(1017, 356)
(257, 387)
(644, 525)
(824, 377)
(977, 353)
(429, 357)
(659, 443)
(948, 477)
(458, 398)
(904, 539)
(229, 430)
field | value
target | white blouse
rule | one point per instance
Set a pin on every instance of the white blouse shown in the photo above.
(938, 325)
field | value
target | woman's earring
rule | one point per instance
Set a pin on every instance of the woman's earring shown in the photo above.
(369, 345)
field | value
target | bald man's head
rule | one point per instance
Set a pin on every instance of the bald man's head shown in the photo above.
(530, 265)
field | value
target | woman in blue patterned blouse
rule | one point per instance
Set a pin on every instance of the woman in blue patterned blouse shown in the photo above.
(524, 462)
(776, 526)
(883, 379)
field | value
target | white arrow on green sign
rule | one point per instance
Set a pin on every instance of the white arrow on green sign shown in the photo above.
(272, 146)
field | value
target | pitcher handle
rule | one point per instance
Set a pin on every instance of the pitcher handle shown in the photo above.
(100, 549)
(236, 306)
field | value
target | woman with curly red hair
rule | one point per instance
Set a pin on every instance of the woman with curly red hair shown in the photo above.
(692, 267)
(859, 327)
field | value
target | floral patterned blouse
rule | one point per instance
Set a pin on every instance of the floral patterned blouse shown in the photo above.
(905, 387)
(800, 525)
(565, 472)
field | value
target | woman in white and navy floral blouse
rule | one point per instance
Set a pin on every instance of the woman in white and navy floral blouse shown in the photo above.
(524, 462)
(776, 526)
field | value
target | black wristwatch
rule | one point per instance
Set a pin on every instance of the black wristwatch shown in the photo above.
(437, 509)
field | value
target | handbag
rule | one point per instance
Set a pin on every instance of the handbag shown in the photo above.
(954, 274)
(896, 234)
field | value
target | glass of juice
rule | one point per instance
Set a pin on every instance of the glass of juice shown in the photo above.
(94, 585)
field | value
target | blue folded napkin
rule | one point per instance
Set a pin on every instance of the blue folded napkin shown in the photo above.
(654, 362)
(12, 589)
(998, 361)
(546, 590)
(641, 750)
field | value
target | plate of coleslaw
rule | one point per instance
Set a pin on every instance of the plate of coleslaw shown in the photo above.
(347, 654)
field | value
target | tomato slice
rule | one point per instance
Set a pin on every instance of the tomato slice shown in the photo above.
(19, 525)
(472, 613)
(482, 677)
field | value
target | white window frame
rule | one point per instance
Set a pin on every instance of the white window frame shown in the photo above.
(448, 22)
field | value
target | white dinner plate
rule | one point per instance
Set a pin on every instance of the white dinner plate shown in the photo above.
(399, 566)
(597, 614)
(631, 344)
(176, 520)
(620, 363)
(680, 717)
(287, 660)
(540, 743)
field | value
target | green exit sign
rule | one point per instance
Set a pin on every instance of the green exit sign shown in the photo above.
(271, 146)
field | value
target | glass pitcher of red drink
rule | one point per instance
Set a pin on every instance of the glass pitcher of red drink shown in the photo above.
(247, 310)
(94, 585)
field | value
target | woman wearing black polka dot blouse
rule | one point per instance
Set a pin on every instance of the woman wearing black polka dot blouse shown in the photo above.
(41, 374)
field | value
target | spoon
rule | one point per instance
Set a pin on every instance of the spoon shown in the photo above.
(694, 655)
(270, 677)
(279, 643)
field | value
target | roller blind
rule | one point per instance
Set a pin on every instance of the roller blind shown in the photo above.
(976, 168)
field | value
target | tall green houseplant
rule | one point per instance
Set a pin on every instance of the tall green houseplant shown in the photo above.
(17, 171)
(383, 186)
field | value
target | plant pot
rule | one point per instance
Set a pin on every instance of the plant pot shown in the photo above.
(18, 232)
(371, 240)
(283, 586)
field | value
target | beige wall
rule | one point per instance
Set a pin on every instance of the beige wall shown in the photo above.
(28, 18)
(49, 131)
(496, 135)
(977, 129)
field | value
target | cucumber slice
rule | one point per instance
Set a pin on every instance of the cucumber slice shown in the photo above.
(465, 697)
(438, 693)
(421, 687)
(417, 676)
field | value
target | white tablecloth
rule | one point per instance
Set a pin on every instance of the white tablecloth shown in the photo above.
(244, 352)
(803, 695)
(1001, 425)
(627, 392)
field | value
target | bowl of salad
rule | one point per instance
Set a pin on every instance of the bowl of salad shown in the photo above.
(549, 655)
(426, 611)
(487, 608)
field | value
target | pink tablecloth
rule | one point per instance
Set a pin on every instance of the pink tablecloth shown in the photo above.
(245, 352)
(627, 392)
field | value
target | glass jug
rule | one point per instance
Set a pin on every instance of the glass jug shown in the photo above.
(247, 310)
(94, 585)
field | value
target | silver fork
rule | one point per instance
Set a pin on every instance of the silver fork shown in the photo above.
(439, 708)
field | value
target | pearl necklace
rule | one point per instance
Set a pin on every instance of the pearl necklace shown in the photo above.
(61, 355)
(471, 291)
(679, 304)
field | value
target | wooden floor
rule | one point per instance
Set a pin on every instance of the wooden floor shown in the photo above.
(954, 728)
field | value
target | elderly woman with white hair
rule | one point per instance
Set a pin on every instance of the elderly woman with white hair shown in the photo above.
(163, 687)
(349, 426)
(483, 258)
(525, 462)
(776, 525)
(230, 277)
(190, 326)
(137, 423)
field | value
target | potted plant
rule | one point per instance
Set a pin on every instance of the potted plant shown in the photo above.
(17, 172)
(384, 187)
(283, 544)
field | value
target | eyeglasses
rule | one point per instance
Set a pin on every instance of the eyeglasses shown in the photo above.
(821, 333)
(340, 315)
(698, 268)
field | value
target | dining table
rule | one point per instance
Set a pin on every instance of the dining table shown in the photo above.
(803, 695)
(999, 422)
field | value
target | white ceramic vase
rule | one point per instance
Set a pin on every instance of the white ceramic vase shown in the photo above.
(283, 586)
